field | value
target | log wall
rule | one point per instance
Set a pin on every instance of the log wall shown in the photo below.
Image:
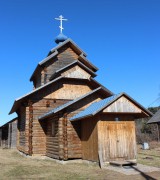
(22, 130)
(52, 138)
(66, 56)
(39, 127)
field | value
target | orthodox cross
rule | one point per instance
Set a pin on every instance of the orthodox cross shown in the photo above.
(61, 18)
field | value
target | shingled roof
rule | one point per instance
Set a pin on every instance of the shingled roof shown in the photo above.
(155, 118)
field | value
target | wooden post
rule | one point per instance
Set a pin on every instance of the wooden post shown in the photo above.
(9, 135)
(0, 137)
(30, 127)
(65, 143)
(158, 131)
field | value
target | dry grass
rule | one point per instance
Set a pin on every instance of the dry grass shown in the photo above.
(149, 157)
(15, 166)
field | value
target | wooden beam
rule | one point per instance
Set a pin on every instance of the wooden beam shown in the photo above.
(30, 127)
(158, 132)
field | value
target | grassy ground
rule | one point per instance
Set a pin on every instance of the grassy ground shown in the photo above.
(15, 166)
(150, 157)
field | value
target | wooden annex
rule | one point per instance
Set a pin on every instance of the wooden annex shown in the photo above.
(8, 134)
(69, 115)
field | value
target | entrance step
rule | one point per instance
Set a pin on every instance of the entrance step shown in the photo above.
(123, 163)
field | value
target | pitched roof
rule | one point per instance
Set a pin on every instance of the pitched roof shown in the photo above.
(155, 118)
(53, 52)
(96, 107)
(20, 99)
(9, 122)
(59, 108)
(72, 64)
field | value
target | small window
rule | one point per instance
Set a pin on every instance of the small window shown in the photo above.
(53, 132)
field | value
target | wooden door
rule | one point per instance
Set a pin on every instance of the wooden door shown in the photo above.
(117, 140)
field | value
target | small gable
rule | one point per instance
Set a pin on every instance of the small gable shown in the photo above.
(76, 72)
(122, 105)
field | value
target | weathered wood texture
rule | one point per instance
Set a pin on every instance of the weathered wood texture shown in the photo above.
(0, 137)
(22, 124)
(39, 137)
(55, 95)
(8, 135)
(52, 140)
(74, 128)
(117, 139)
(5, 141)
(13, 134)
(76, 72)
(122, 105)
(89, 139)
(66, 56)
(68, 89)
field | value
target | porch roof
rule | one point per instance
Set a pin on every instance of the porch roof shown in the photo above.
(96, 107)
(155, 118)
(59, 108)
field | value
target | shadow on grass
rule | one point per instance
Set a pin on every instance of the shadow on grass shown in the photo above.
(149, 155)
(147, 177)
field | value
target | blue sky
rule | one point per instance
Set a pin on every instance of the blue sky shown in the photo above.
(121, 37)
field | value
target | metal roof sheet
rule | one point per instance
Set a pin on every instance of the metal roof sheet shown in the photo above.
(100, 105)
(59, 108)
(155, 118)
(95, 107)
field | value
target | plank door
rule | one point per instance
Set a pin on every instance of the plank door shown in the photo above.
(117, 140)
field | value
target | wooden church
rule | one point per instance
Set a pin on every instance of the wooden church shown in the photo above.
(69, 115)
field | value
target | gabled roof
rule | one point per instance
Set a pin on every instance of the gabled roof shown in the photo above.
(22, 98)
(9, 122)
(72, 43)
(96, 107)
(54, 52)
(72, 64)
(155, 118)
(59, 108)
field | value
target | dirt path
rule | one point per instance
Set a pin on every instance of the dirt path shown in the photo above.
(15, 166)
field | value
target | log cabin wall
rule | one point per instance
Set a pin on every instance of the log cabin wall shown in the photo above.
(22, 130)
(39, 128)
(52, 137)
(56, 94)
(66, 56)
(5, 140)
(74, 146)
(37, 78)
(0, 137)
(13, 134)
